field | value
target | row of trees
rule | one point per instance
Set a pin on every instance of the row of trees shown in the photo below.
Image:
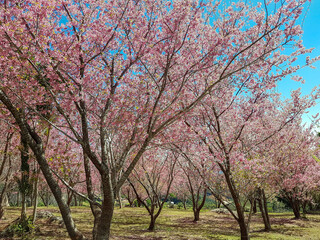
(109, 92)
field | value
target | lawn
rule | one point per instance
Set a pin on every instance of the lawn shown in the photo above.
(131, 223)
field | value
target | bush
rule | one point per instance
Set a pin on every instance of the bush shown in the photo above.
(180, 205)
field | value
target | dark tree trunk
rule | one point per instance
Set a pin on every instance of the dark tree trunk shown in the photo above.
(240, 212)
(254, 209)
(152, 223)
(264, 210)
(107, 208)
(56, 190)
(24, 184)
(75, 200)
(196, 208)
(139, 203)
(96, 211)
(296, 209)
(243, 230)
(196, 215)
(1, 211)
(3, 194)
(35, 198)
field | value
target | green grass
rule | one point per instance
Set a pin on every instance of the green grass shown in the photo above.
(131, 223)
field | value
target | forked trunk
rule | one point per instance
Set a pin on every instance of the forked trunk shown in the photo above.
(296, 209)
(196, 208)
(196, 215)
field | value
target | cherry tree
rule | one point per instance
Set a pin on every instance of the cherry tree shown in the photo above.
(232, 123)
(154, 176)
(296, 173)
(128, 193)
(194, 172)
(113, 75)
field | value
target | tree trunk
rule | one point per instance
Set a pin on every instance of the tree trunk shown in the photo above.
(70, 196)
(243, 229)
(73, 232)
(24, 184)
(36, 144)
(267, 226)
(107, 208)
(196, 215)
(35, 196)
(119, 198)
(139, 203)
(18, 199)
(254, 209)
(1, 211)
(240, 212)
(265, 206)
(296, 209)
(152, 223)
(3, 197)
(23, 216)
(75, 200)
(197, 209)
(94, 208)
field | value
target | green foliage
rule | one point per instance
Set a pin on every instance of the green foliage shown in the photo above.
(180, 205)
(135, 203)
(172, 198)
(209, 204)
(22, 228)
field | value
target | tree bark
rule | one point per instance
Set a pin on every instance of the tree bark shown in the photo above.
(3, 194)
(296, 208)
(96, 211)
(240, 212)
(264, 210)
(243, 230)
(107, 208)
(254, 209)
(119, 198)
(24, 184)
(196, 208)
(35, 196)
(152, 223)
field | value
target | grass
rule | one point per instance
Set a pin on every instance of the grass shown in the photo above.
(174, 224)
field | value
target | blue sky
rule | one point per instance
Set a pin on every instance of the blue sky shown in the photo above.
(311, 39)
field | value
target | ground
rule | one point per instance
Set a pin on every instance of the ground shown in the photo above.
(174, 224)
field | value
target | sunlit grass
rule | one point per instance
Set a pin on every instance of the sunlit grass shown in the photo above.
(131, 223)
